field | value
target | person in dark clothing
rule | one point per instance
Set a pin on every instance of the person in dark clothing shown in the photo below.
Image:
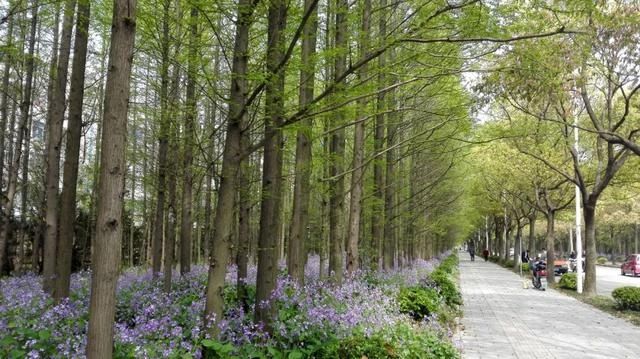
(525, 256)
(472, 250)
(485, 254)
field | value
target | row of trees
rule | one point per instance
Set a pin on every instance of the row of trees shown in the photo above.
(541, 95)
(181, 148)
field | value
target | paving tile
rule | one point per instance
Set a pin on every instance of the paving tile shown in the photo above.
(504, 320)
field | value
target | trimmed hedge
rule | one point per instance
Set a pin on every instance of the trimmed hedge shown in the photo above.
(627, 297)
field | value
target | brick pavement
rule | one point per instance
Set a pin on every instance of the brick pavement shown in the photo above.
(503, 320)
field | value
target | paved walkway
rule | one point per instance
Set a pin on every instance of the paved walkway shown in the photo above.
(503, 320)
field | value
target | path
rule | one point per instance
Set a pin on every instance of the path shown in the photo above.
(503, 320)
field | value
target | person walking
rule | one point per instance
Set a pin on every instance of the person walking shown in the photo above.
(485, 254)
(472, 250)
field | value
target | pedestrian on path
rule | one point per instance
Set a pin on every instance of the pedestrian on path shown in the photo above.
(485, 254)
(472, 250)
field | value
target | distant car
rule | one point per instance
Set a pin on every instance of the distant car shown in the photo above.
(560, 266)
(631, 265)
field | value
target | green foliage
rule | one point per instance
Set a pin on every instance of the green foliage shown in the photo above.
(525, 267)
(12, 346)
(568, 281)
(449, 264)
(401, 341)
(627, 297)
(419, 302)
(601, 260)
(448, 289)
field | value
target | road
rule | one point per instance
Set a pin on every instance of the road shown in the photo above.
(609, 278)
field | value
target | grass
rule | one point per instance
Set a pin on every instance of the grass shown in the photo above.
(605, 304)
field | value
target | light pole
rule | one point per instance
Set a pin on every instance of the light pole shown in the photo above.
(578, 219)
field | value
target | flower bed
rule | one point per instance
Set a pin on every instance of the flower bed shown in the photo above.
(362, 317)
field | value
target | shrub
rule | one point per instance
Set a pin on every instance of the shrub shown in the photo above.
(418, 302)
(601, 260)
(448, 289)
(627, 297)
(525, 267)
(400, 341)
(449, 264)
(509, 263)
(494, 259)
(568, 281)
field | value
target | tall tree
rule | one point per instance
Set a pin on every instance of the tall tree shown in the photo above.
(54, 146)
(163, 143)
(72, 153)
(296, 256)
(336, 200)
(223, 222)
(271, 204)
(377, 214)
(25, 106)
(106, 259)
(4, 103)
(357, 176)
(189, 133)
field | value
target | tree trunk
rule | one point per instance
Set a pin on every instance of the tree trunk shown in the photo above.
(550, 238)
(4, 109)
(271, 206)
(589, 210)
(25, 105)
(54, 142)
(532, 234)
(106, 259)
(72, 154)
(517, 258)
(357, 176)
(170, 222)
(336, 201)
(390, 196)
(189, 134)
(377, 212)
(222, 226)
(244, 219)
(298, 234)
(163, 145)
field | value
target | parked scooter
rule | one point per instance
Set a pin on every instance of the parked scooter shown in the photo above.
(539, 269)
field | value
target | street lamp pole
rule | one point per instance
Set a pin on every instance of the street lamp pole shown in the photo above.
(578, 219)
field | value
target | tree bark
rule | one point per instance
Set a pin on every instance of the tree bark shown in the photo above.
(72, 154)
(357, 176)
(223, 222)
(532, 234)
(189, 134)
(298, 234)
(589, 210)
(54, 142)
(550, 243)
(390, 196)
(271, 205)
(163, 145)
(517, 258)
(106, 259)
(336, 201)
(25, 106)
(4, 108)
(377, 212)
